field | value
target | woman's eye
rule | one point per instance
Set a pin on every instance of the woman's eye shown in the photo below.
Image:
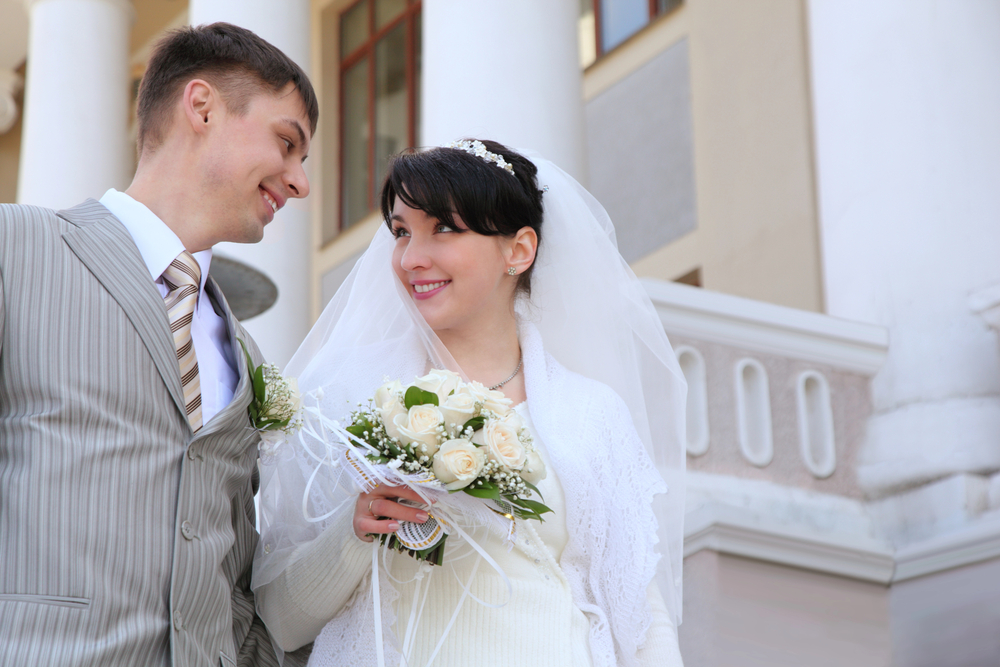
(443, 228)
(399, 232)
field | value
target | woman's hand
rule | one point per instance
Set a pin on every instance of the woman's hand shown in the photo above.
(378, 511)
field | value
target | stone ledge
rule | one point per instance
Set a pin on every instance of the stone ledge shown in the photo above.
(787, 332)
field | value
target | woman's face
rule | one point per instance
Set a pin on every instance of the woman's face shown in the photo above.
(456, 277)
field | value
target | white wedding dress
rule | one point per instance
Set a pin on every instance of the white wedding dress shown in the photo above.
(539, 623)
(605, 397)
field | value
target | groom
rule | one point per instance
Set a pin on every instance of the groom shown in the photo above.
(127, 460)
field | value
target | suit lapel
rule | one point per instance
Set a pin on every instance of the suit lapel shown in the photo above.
(106, 248)
(236, 412)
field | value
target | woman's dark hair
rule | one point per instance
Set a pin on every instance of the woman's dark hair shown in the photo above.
(491, 201)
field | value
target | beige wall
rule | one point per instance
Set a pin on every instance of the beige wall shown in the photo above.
(746, 613)
(10, 154)
(757, 232)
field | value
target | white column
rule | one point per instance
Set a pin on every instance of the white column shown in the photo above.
(75, 143)
(285, 253)
(507, 70)
(906, 99)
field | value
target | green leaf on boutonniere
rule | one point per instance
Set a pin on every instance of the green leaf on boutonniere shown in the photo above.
(417, 396)
(259, 388)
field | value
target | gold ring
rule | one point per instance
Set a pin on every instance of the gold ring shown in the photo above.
(370, 506)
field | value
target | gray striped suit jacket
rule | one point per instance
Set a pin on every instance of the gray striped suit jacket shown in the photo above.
(124, 538)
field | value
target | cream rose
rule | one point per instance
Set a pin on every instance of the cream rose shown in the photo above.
(534, 468)
(388, 392)
(419, 425)
(440, 382)
(501, 443)
(492, 400)
(457, 409)
(514, 420)
(458, 463)
(388, 406)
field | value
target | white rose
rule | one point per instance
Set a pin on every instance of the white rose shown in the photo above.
(502, 444)
(457, 409)
(440, 382)
(419, 425)
(514, 420)
(388, 405)
(458, 463)
(388, 392)
(492, 400)
(534, 468)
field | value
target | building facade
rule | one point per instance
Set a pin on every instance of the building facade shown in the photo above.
(808, 189)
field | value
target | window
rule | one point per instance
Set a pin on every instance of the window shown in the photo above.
(379, 98)
(604, 24)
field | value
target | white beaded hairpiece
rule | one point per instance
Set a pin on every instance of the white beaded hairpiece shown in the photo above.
(479, 150)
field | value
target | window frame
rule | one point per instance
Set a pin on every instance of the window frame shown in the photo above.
(654, 12)
(346, 62)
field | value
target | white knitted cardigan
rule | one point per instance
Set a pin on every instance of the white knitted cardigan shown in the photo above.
(608, 480)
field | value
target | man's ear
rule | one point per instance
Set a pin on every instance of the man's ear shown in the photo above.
(200, 103)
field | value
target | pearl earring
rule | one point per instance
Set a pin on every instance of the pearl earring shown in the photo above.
(511, 271)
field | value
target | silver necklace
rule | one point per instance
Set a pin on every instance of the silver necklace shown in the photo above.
(520, 360)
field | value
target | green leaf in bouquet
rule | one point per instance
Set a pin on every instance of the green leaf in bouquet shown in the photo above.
(484, 490)
(358, 428)
(533, 488)
(533, 505)
(417, 396)
(475, 424)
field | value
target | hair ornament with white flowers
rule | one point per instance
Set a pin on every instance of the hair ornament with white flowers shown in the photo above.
(477, 148)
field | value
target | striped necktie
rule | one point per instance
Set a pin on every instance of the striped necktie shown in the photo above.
(183, 280)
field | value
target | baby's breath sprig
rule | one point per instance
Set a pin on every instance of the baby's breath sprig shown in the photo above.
(276, 402)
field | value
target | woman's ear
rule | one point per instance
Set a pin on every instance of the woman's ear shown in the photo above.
(521, 250)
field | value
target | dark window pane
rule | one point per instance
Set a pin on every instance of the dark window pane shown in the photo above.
(391, 104)
(387, 10)
(353, 28)
(620, 19)
(355, 202)
(417, 69)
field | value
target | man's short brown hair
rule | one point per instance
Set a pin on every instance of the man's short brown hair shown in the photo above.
(233, 59)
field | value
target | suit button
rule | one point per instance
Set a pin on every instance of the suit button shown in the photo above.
(187, 531)
(191, 454)
(178, 621)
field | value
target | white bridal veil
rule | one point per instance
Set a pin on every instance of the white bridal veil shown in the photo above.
(594, 318)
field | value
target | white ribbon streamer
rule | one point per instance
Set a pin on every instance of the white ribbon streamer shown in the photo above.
(450, 510)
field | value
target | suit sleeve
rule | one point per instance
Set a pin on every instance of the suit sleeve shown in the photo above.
(2, 316)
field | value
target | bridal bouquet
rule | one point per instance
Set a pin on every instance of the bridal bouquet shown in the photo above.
(443, 433)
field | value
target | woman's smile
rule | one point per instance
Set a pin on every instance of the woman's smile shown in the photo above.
(423, 289)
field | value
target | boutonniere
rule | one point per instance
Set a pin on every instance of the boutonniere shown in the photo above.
(276, 406)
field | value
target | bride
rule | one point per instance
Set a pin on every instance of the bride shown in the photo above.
(460, 278)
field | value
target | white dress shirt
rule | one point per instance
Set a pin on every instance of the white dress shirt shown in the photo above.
(159, 246)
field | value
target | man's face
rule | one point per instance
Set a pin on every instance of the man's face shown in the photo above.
(253, 165)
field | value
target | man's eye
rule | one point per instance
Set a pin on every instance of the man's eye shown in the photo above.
(288, 145)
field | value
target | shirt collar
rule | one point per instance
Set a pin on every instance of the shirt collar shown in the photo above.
(156, 242)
